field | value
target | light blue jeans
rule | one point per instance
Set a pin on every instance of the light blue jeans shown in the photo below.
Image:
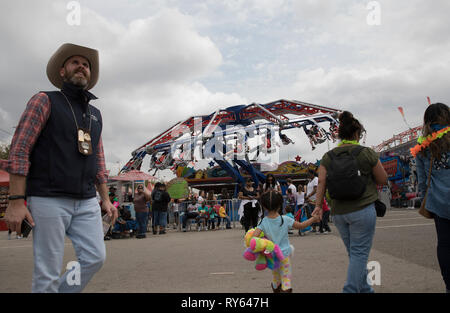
(55, 218)
(159, 218)
(357, 230)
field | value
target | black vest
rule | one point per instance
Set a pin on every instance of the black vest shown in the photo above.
(57, 168)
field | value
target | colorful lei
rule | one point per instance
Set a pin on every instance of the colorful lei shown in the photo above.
(424, 142)
(352, 142)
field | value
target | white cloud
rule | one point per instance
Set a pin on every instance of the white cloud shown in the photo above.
(148, 69)
(373, 94)
(162, 48)
(231, 40)
(163, 61)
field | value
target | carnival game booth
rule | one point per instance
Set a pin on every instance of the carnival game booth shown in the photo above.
(4, 192)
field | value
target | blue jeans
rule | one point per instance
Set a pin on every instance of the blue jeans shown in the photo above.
(309, 209)
(129, 225)
(55, 218)
(357, 230)
(142, 220)
(212, 222)
(186, 216)
(224, 220)
(159, 218)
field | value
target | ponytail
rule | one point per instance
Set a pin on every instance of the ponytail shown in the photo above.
(349, 126)
(272, 201)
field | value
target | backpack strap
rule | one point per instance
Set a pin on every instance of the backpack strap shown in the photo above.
(356, 151)
(332, 155)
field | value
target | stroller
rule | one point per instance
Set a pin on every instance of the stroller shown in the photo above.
(301, 216)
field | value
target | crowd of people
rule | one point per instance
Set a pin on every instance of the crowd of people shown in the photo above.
(62, 127)
(208, 213)
(148, 207)
(298, 203)
(210, 210)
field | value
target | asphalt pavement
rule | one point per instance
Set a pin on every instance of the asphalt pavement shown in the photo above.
(211, 261)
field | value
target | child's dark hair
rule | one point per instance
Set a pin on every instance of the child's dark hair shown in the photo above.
(289, 209)
(272, 201)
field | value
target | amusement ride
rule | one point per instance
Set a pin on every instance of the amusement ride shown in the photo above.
(226, 135)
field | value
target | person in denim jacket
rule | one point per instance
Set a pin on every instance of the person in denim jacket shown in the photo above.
(436, 121)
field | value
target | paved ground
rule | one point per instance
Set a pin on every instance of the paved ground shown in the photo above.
(211, 261)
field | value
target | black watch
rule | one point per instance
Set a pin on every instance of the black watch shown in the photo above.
(17, 197)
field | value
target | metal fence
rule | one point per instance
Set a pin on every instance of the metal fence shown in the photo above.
(231, 207)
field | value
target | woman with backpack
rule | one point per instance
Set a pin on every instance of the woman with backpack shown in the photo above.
(160, 202)
(433, 164)
(351, 174)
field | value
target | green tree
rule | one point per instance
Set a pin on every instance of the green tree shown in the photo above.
(4, 151)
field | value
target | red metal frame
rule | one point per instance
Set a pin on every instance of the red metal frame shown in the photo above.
(396, 140)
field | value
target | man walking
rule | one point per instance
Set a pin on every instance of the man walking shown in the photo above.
(56, 162)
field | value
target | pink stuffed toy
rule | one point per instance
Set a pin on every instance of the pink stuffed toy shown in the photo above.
(263, 251)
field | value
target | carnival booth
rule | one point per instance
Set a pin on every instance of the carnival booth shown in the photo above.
(4, 192)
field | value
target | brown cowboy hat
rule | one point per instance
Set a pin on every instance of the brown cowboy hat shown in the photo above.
(66, 51)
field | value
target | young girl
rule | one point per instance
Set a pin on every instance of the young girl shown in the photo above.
(275, 228)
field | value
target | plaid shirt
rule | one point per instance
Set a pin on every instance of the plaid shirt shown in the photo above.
(31, 123)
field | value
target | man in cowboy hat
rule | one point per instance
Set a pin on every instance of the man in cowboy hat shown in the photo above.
(57, 164)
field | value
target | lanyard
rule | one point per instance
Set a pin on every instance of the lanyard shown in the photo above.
(84, 136)
(73, 113)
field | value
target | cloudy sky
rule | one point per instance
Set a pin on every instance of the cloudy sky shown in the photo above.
(164, 61)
